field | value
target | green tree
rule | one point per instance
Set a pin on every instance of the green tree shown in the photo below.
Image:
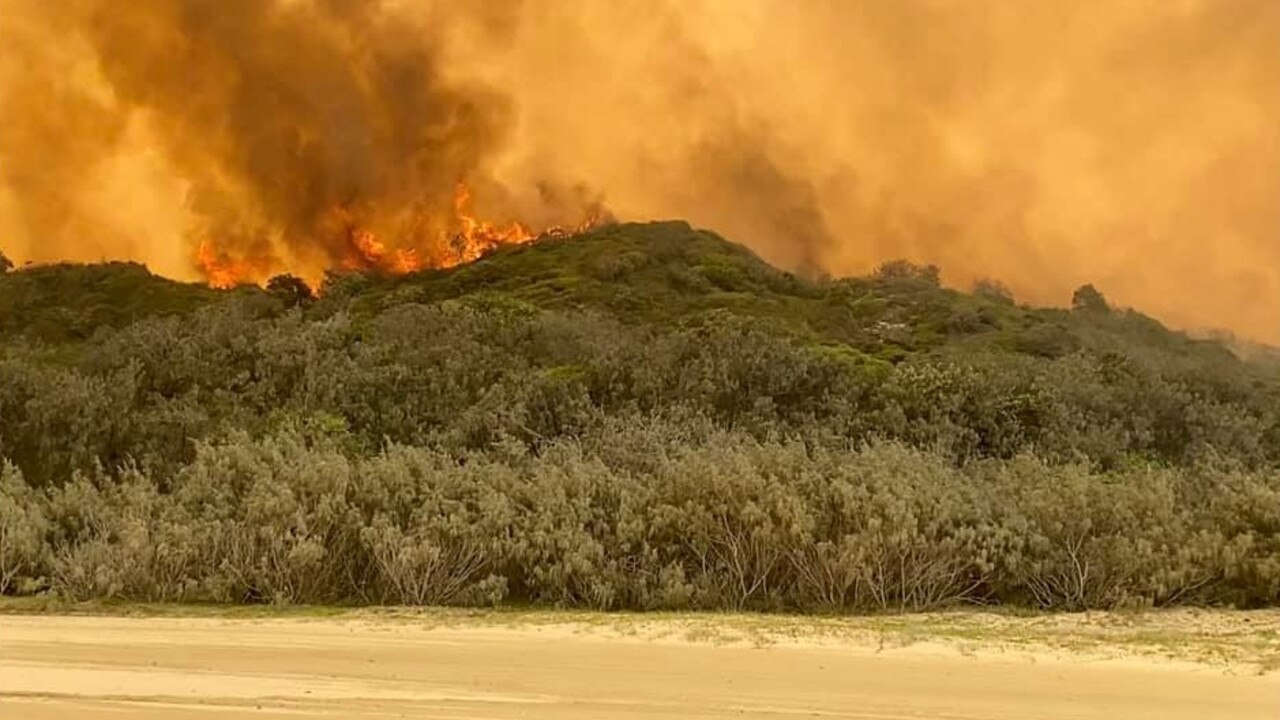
(290, 289)
(1087, 298)
(907, 270)
(993, 290)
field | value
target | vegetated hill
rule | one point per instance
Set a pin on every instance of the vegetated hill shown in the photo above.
(661, 273)
(641, 416)
(655, 282)
(65, 302)
(666, 272)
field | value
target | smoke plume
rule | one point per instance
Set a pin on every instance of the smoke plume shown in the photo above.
(1131, 144)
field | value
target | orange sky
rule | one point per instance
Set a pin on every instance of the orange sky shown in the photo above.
(1131, 143)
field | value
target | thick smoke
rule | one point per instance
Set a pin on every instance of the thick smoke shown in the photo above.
(1131, 144)
(288, 125)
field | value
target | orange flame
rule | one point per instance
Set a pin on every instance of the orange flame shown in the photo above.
(370, 252)
(471, 240)
(475, 237)
(220, 270)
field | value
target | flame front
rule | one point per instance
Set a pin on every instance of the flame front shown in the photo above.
(368, 252)
(220, 270)
(468, 239)
(476, 237)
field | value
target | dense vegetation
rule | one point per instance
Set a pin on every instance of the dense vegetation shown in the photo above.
(644, 416)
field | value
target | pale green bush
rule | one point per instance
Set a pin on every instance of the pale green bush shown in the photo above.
(642, 517)
(23, 525)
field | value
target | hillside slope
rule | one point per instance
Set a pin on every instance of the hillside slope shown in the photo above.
(627, 318)
(641, 416)
(658, 273)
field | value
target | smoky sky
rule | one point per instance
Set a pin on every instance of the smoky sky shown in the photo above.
(1131, 144)
(285, 122)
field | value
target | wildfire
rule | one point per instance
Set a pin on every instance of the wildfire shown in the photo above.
(368, 251)
(220, 270)
(476, 237)
(467, 240)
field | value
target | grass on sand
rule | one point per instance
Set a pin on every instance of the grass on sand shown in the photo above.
(1225, 638)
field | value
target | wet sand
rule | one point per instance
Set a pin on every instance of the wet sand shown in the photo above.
(90, 668)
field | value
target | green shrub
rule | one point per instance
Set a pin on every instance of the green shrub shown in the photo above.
(23, 527)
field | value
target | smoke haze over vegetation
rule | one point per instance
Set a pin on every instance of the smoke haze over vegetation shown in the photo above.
(1131, 144)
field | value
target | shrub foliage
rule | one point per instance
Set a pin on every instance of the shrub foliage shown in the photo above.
(645, 417)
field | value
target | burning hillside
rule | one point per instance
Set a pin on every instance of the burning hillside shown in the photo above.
(462, 238)
(1131, 144)
(304, 137)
